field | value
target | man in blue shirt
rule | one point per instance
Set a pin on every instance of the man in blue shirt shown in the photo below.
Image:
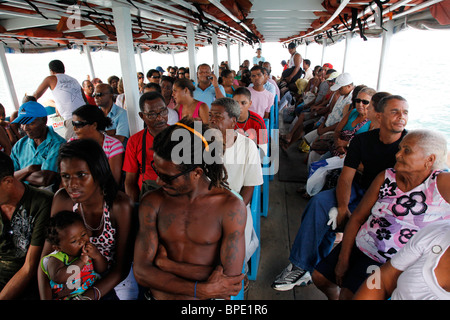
(35, 155)
(103, 96)
(208, 88)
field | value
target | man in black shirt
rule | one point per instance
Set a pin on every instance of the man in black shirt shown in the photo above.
(370, 152)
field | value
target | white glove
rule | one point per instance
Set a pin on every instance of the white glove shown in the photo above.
(332, 214)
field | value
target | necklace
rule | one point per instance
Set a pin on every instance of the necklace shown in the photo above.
(86, 224)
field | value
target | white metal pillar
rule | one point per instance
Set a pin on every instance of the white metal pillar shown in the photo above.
(8, 78)
(348, 40)
(387, 35)
(306, 52)
(122, 22)
(229, 52)
(215, 55)
(87, 52)
(324, 47)
(239, 55)
(191, 51)
(141, 62)
(173, 58)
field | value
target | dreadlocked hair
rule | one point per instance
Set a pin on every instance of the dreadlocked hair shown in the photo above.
(171, 138)
(60, 221)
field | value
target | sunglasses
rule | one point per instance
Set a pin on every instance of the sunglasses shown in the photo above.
(99, 94)
(79, 124)
(168, 179)
(365, 102)
(156, 77)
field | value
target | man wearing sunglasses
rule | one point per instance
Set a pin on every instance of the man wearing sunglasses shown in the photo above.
(190, 243)
(139, 174)
(153, 76)
(103, 95)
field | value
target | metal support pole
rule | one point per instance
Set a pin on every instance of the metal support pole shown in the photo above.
(191, 50)
(324, 47)
(215, 55)
(87, 51)
(173, 58)
(141, 62)
(239, 54)
(384, 51)
(122, 22)
(229, 51)
(8, 78)
(348, 40)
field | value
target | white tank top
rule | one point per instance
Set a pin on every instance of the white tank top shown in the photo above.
(291, 62)
(67, 94)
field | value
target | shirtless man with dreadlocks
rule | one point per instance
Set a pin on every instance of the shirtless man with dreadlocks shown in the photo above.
(190, 243)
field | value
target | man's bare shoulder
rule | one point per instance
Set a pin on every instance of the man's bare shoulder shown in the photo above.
(229, 199)
(152, 199)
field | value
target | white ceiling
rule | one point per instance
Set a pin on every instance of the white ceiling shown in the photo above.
(277, 19)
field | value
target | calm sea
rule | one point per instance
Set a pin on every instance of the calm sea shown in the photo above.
(418, 68)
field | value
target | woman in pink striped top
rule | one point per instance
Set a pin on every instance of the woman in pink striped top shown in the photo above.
(89, 122)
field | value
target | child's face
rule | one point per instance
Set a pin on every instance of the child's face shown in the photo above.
(244, 103)
(72, 239)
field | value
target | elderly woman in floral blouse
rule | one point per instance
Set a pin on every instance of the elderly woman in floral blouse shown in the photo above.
(399, 202)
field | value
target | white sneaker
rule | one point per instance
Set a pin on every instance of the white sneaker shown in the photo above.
(290, 277)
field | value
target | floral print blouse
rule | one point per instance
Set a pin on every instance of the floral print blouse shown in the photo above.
(398, 215)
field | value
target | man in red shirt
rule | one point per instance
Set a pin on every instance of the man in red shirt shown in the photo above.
(154, 112)
(250, 123)
(88, 89)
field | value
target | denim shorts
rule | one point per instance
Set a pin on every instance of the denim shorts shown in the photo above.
(357, 272)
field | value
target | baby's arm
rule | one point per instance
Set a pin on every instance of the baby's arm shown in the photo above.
(100, 263)
(60, 273)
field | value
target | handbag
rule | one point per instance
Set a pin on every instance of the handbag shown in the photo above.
(347, 135)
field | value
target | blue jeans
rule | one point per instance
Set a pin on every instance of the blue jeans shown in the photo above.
(315, 238)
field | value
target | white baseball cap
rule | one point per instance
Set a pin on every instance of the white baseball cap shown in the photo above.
(343, 80)
(333, 75)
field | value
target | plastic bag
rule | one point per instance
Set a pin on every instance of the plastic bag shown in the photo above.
(318, 173)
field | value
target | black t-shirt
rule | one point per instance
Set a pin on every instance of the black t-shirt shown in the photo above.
(27, 227)
(366, 148)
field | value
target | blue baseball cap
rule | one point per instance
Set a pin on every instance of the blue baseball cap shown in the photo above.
(29, 111)
(159, 69)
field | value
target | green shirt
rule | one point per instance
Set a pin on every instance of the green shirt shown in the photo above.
(27, 227)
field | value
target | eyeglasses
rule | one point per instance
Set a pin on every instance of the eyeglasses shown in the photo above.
(154, 115)
(168, 179)
(140, 77)
(79, 124)
(365, 102)
(156, 77)
(99, 94)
